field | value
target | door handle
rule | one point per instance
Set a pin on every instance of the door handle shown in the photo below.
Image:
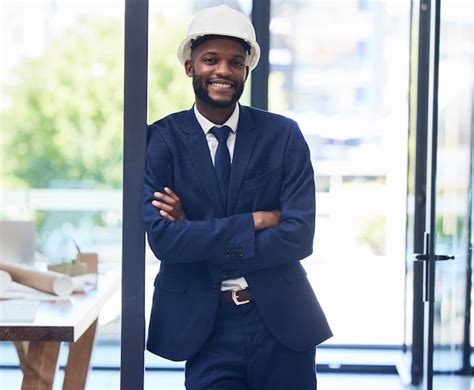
(425, 257)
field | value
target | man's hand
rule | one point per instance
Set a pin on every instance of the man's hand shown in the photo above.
(266, 219)
(169, 205)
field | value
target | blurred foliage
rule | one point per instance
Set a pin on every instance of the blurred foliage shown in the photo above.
(169, 89)
(63, 123)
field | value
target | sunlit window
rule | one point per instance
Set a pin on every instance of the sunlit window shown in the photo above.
(61, 108)
(340, 68)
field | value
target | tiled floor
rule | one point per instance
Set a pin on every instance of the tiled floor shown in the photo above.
(158, 380)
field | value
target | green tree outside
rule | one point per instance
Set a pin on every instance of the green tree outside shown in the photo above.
(64, 122)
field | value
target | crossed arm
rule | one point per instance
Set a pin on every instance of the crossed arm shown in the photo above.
(171, 209)
(249, 241)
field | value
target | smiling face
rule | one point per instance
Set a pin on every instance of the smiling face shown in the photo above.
(218, 70)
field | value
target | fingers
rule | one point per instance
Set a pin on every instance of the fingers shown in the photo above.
(167, 216)
(166, 199)
(169, 204)
(170, 192)
(163, 206)
(274, 218)
(266, 219)
(276, 214)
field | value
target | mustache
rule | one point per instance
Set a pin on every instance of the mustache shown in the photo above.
(221, 79)
(200, 90)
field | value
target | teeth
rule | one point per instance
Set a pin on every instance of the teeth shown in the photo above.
(220, 86)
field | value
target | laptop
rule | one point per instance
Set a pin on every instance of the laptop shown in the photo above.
(17, 241)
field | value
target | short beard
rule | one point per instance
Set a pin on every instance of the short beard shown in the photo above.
(200, 90)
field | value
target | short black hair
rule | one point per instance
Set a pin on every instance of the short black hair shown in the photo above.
(199, 41)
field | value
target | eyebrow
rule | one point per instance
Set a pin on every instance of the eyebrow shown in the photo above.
(210, 52)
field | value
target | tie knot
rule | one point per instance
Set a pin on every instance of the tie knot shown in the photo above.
(221, 133)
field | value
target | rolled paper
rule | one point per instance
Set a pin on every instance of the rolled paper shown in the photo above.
(5, 281)
(63, 285)
(51, 282)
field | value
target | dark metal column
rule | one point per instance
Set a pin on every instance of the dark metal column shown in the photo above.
(133, 235)
(259, 86)
(428, 365)
(422, 112)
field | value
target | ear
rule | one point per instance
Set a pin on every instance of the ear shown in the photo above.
(188, 67)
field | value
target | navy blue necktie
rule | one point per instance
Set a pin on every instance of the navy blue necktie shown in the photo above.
(222, 160)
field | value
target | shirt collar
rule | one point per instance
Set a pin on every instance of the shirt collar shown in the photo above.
(207, 125)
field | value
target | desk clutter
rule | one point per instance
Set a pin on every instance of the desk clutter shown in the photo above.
(39, 329)
(48, 281)
(22, 287)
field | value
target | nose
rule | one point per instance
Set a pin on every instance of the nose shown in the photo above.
(223, 69)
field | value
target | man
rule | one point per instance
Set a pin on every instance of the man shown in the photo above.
(229, 210)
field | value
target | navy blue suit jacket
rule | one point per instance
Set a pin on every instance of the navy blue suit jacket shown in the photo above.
(271, 169)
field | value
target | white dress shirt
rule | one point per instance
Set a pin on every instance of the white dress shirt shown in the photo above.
(212, 142)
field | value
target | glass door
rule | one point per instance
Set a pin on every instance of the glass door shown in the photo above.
(448, 164)
(347, 88)
(439, 192)
(451, 188)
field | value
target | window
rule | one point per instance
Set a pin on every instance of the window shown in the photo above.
(345, 80)
(61, 107)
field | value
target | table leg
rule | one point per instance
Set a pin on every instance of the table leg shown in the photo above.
(21, 349)
(38, 361)
(78, 361)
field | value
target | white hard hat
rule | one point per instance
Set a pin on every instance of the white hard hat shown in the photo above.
(225, 21)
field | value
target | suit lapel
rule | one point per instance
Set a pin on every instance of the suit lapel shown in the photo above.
(196, 145)
(244, 144)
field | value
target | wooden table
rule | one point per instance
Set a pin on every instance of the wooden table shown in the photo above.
(73, 320)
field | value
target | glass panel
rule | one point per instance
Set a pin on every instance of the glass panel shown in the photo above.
(410, 225)
(456, 82)
(61, 139)
(340, 68)
(471, 332)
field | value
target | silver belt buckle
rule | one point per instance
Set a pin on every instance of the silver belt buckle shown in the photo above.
(235, 297)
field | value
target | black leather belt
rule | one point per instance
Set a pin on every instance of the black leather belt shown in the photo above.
(238, 296)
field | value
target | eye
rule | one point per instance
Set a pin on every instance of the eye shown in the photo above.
(238, 64)
(209, 61)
